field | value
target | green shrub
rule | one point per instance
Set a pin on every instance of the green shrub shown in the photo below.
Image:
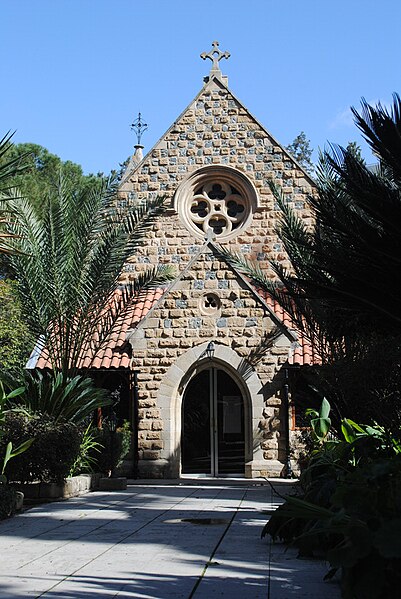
(8, 451)
(52, 453)
(348, 510)
(116, 445)
(15, 340)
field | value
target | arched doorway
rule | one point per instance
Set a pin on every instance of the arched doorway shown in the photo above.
(213, 427)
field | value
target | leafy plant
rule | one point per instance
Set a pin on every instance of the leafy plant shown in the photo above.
(116, 445)
(8, 501)
(87, 458)
(348, 508)
(10, 166)
(12, 453)
(320, 421)
(9, 451)
(359, 532)
(341, 290)
(41, 170)
(45, 412)
(70, 399)
(15, 340)
(300, 149)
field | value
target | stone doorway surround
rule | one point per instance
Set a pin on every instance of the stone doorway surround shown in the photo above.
(170, 397)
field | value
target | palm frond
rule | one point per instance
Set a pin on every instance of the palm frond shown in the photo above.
(381, 128)
(11, 167)
(71, 251)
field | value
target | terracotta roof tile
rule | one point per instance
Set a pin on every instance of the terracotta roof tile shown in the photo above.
(116, 352)
(302, 352)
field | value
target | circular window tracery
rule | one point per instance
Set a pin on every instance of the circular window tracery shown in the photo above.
(218, 206)
(218, 199)
(210, 304)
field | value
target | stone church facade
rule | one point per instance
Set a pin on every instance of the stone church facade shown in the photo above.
(211, 352)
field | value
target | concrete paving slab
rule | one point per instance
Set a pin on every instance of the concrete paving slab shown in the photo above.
(155, 540)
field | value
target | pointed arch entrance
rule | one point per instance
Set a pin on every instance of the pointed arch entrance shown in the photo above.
(171, 396)
(213, 425)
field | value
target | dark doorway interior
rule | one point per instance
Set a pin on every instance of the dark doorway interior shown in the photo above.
(213, 432)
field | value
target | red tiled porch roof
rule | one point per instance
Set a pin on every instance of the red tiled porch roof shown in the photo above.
(302, 351)
(116, 353)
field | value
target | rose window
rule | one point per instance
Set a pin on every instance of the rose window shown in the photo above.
(217, 206)
(217, 199)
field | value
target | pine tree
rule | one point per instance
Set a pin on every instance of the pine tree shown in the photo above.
(300, 149)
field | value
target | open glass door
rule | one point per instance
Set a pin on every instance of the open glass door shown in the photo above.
(196, 433)
(230, 426)
(213, 437)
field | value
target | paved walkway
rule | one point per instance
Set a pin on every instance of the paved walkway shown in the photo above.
(145, 542)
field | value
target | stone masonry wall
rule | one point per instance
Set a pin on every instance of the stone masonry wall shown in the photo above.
(216, 130)
(179, 323)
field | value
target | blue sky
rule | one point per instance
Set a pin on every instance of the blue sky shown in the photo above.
(75, 73)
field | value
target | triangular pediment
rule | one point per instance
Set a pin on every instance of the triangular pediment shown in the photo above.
(215, 128)
(211, 299)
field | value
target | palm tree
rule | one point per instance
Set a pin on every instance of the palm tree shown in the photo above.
(345, 279)
(9, 168)
(68, 256)
(342, 291)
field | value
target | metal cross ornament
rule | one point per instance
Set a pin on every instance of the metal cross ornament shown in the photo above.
(215, 55)
(139, 127)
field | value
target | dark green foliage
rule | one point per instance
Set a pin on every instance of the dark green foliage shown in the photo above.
(15, 340)
(348, 510)
(343, 289)
(119, 173)
(355, 150)
(30, 170)
(8, 451)
(65, 399)
(67, 243)
(10, 168)
(366, 386)
(347, 271)
(116, 445)
(39, 170)
(52, 453)
(11, 164)
(343, 293)
(8, 501)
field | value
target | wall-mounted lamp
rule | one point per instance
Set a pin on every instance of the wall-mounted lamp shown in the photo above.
(210, 350)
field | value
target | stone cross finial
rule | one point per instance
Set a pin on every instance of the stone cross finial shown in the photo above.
(215, 55)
